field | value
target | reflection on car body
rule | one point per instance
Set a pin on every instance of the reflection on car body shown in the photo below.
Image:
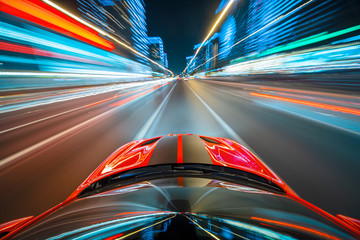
(183, 187)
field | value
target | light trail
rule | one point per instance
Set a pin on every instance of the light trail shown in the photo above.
(61, 135)
(212, 235)
(76, 109)
(43, 15)
(105, 34)
(267, 25)
(61, 97)
(311, 104)
(132, 233)
(224, 229)
(211, 31)
(298, 227)
(129, 99)
(44, 53)
(85, 75)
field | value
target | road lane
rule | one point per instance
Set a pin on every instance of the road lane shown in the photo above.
(185, 113)
(318, 161)
(68, 116)
(45, 177)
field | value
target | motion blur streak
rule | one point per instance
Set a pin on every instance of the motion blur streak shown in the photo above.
(304, 92)
(264, 27)
(128, 223)
(132, 233)
(211, 32)
(33, 100)
(56, 56)
(117, 96)
(136, 96)
(289, 225)
(84, 124)
(340, 57)
(105, 34)
(212, 235)
(311, 104)
(66, 112)
(40, 13)
(39, 52)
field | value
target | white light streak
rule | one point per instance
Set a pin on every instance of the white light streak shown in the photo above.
(243, 39)
(211, 31)
(104, 33)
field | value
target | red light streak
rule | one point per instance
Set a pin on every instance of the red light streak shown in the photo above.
(316, 232)
(180, 150)
(311, 104)
(126, 100)
(40, 13)
(39, 52)
(114, 237)
(352, 221)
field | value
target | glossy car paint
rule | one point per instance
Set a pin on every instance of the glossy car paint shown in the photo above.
(186, 149)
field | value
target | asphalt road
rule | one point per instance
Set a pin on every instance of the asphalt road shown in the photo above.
(47, 150)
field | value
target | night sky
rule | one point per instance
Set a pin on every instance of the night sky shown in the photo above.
(181, 25)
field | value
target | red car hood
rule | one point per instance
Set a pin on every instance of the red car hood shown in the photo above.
(179, 149)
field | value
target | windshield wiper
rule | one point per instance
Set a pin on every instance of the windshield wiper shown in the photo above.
(183, 170)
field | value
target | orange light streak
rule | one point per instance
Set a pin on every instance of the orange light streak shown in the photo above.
(307, 92)
(316, 98)
(306, 229)
(311, 104)
(44, 15)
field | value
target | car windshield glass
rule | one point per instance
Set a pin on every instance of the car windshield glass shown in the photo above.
(185, 208)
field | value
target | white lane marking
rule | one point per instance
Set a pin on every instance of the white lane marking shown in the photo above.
(50, 139)
(222, 123)
(148, 124)
(212, 235)
(56, 115)
(27, 150)
(234, 135)
(66, 95)
(40, 120)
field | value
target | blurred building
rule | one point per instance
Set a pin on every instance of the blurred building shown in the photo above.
(206, 58)
(166, 64)
(124, 19)
(253, 30)
(190, 67)
(156, 51)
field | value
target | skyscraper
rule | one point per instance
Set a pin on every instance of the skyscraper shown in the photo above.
(124, 19)
(156, 50)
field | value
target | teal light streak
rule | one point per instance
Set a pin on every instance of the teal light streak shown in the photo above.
(302, 42)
